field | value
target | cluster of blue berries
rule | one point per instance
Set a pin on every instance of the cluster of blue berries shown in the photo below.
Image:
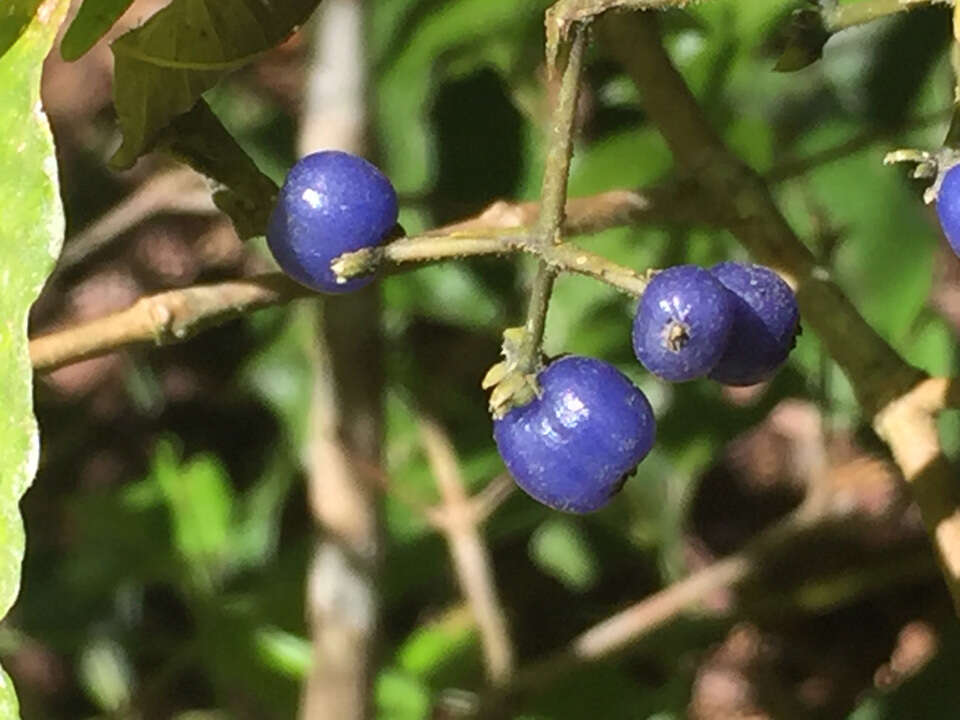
(577, 442)
(735, 323)
(573, 442)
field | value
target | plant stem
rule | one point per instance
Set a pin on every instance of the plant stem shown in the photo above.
(553, 193)
(536, 318)
(553, 199)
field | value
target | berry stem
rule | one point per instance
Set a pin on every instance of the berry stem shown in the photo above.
(553, 192)
(567, 257)
(553, 199)
(529, 356)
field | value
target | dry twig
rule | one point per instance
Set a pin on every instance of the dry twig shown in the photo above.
(459, 521)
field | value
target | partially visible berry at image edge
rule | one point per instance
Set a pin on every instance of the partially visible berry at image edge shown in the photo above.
(948, 207)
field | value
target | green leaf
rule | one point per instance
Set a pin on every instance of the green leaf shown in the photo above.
(32, 233)
(401, 697)
(163, 67)
(560, 548)
(93, 20)
(287, 654)
(437, 643)
(106, 674)
(200, 500)
(14, 20)
(245, 194)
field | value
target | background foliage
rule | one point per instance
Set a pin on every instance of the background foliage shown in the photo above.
(169, 535)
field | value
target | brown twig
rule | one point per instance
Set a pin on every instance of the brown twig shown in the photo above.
(459, 522)
(162, 319)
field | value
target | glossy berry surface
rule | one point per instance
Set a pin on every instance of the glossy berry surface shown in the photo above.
(683, 323)
(765, 323)
(572, 447)
(331, 202)
(948, 207)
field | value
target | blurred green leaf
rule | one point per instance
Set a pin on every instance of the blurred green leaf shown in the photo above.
(260, 509)
(106, 674)
(33, 228)
(93, 20)
(410, 37)
(448, 292)
(437, 643)
(280, 371)
(200, 501)
(255, 670)
(600, 691)
(163, 67)
(284, 652)
(400, 697)
(561, 550)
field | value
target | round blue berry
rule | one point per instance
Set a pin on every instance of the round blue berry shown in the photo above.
(682, 324)
(573, 447)
(765, 323)
(948, 207)
(331, 202)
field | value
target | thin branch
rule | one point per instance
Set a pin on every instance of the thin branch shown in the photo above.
(177, 315)
(497, 230)
(162, 319)
(430, 248)
(553, 196)
(883, 381)
(492, 496)
(556, 172)
(620, 630)
(471, 560)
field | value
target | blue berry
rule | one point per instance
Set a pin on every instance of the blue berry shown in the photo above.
(331, 202)
(573, 447)
(683, 323)
(764, 327)
(948, 207)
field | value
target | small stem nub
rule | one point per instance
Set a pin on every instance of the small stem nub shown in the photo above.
(675, 335)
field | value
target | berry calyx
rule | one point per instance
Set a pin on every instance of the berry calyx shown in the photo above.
(682, 324)
(331, 202)
(573, 446)
(766, 320)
